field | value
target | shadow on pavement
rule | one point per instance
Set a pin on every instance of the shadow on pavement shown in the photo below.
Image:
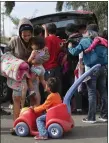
(6, 117)
(79, 132)
(94, 131)
(5, 131)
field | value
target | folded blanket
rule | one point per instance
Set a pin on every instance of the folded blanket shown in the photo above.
(13, 67)
(16, 85)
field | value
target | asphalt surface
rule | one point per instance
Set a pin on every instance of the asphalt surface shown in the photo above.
(81, 133)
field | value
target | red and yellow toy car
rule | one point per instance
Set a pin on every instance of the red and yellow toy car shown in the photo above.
(58, 121)
(58, 118)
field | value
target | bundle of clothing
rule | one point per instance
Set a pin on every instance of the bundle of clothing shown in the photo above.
(14, 69)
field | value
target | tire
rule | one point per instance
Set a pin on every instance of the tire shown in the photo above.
(22, 129)
(55, 131)
(6, 92)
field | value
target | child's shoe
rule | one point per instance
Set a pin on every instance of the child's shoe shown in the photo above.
(37, 137)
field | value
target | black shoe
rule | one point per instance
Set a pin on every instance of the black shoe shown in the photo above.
(74, 111)
(3, 112)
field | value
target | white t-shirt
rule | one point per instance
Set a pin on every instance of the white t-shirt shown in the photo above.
(81, 55)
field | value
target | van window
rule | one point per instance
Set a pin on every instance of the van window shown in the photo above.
(78, 21)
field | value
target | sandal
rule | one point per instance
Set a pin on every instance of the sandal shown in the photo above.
(40, 138)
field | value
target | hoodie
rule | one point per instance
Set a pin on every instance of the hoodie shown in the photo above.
(17, 46)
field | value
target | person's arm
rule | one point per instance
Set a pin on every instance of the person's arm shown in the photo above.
(103, 42)
(75, 50)
(45, 28)
(93, 45)
(45, 105)
(42, 58)
(47, 49)
(31, 56)
(46, 56)
(11, 46)
(48, 43)
(83, 44)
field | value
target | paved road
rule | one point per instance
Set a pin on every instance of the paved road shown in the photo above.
(81, 133)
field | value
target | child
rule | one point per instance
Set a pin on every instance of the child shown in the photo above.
(96, 41)
(39, 55)
(52, 100)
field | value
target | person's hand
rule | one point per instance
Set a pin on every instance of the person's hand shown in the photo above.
(44, 26)
(31, 107)
(70, 45)
(86, 51)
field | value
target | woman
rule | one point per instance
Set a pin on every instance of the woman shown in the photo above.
(99, 77)
(19, 47)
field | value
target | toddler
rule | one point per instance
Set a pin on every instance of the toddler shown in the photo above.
(38, 56)
(52, 100)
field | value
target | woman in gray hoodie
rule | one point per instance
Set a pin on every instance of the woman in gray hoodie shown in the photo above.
(19, 46)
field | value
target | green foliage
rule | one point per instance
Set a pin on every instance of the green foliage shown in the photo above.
(100, 8)
(59, 5)
(4, 40)
(9, 5)
(15, 20)
(96, 6)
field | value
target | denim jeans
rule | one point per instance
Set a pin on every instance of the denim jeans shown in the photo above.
(98, 80)
(40, 121)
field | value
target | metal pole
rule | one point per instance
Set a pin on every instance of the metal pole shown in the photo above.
(3, 32)
(3, 29)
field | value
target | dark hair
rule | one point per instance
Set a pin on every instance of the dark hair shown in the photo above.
(92, 27)
(51, 28)
(71, 28)
(81, 26)
(38, 30)
(53, 83)
(105, 34)
(39, 41)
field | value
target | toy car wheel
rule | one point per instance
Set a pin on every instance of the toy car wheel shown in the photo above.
(55, 130)
(22, 129)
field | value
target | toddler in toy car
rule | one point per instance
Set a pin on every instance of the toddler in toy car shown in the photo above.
(52, 100)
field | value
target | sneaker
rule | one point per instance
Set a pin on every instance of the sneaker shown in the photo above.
(102, 119)
(37, 137)
(85, 120)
